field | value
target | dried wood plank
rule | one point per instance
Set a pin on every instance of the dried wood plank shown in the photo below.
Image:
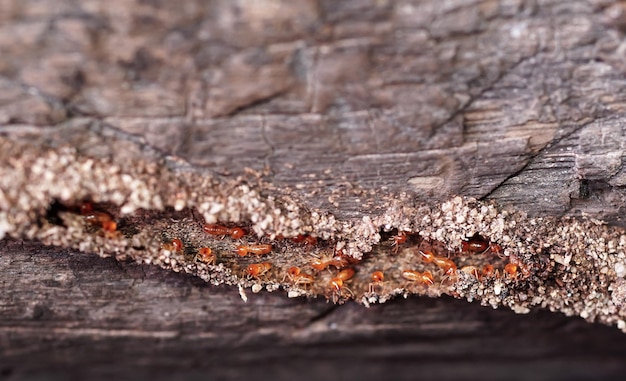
(519, 102)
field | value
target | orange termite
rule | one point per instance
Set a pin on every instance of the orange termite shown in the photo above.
(471, 270)
(214, 229)
(398, 240)
(102, 219)
(307, 239)
(174, 245)
(260, 249)
(525, 270)
(378, 278)
(337, 283)
(205, 254)
(496, 249)
(427, 256)
(476, 244)
(311, 240)
(324, 262)
(256, 270)
(297, 277)
(177, 244)
(445, 264)
(489, 271)
(511, 269)
(415, 276)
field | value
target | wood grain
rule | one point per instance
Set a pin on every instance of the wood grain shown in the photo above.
(520, 102)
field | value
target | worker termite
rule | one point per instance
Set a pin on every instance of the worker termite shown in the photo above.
(513, 270)
(398, 240)
(174, 245)
(101, 219)
(307, 239)
(445, 264)
(415, 276)
(475, 245)
(378, 279)
(489, 271)
(338, 261)
(234, 233)
(470, 270)
(479, 245)
(205, 254)
(427, 256)
(256, 270)
(261, 249)
(337, 284)
(298, 278)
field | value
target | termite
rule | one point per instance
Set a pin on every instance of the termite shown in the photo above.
(256, 270)
(205, 254)
(234, 233)
(496, 249)
(102, 219)
(446, 265)
(338, 261)
(470, 270)
(174, 245)
(378, 278)
(307, 239)
(427, 256)
(489, 271)
(475, 245)
(261, 249)
(415, 276)
(398, 240)
(297, 277)
(511, 270)
(337, 283)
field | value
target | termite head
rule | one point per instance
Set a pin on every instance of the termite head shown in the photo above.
(488, 270)
(293, 271)
(310, 240)
(257, 269)
(378, 276)
(427, 278)
(205, 254)
(86, 208)
(427, 256)
(177, 244)
(511, 269)
(109, 226)
(242, 250)
(470, 270)
(236, 233)
(336, 284)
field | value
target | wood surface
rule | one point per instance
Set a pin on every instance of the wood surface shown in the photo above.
(521, 102)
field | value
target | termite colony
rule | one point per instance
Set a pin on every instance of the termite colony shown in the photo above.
(305, 265)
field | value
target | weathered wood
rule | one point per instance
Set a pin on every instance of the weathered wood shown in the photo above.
(73, 314)
(520, 102)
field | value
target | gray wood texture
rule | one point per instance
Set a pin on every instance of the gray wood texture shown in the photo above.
(521, 102)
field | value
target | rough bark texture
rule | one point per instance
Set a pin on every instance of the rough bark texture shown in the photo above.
(338, 104)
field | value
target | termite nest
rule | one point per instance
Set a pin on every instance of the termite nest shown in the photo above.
(163, 212)
(303, 265)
